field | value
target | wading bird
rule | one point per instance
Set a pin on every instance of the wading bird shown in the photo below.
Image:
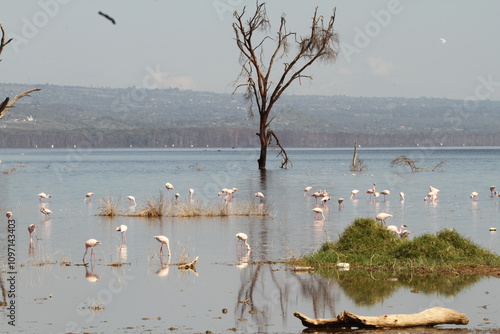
(8, 214)
(474, 195)
(259, 195)
(91, 243)
(402, 196)
(354, 193)
(131, 200)
(306, 191)
(382, 216)
(122, 229)
(169, 186)
(385, 192)
(31, 229)
(87, 197)
(242, 238)
(492, 191)
(401, 233)
(43, 195)
(46, 212)
(318, 211)
(164, 241)
(191, 193)
(341, 202)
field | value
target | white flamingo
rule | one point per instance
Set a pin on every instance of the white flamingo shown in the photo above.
(164, 241)
(401, 233)
(91, 243)
(242, 237)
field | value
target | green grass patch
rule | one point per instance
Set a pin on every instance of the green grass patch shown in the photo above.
(366, 243)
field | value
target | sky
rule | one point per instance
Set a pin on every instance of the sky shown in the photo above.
(388, 48)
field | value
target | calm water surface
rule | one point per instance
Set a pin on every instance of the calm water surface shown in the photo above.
(146, 294)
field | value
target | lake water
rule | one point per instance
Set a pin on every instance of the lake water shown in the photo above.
(147, 295)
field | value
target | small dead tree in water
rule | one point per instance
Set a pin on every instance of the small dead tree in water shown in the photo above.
(265, 80)
(8, 103)
(405, 161)
(357, 163)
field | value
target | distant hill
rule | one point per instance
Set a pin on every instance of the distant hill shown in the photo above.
(66, 116)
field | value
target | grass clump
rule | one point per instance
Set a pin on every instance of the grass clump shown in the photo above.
(366, 243)
(108, 207)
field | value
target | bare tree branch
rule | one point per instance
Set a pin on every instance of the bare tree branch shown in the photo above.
(5, 107)
(2, 41)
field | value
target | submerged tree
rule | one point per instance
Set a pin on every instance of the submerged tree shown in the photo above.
(357, 163)
(262, 86)
(7, 103)
(405, 161)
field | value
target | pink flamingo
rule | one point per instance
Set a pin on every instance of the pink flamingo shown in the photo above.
(242, 237)
(91, 243)
(354, 193)
(385, 192)
(31, 229)
(131, 200)
(43, 195)
(259, 195)
(46, 212)
(474, 195)
(401, 233)
(382, 217)
(87, 197)
(306, 191)
(318, 211)
(123, 229)
(164, 241)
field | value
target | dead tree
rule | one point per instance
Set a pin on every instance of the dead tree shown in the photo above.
(7, 102)
(262, 86)
(357, 163)
(430, 317)
(405, 161)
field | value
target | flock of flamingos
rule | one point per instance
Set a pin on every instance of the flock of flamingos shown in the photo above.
(242, 238)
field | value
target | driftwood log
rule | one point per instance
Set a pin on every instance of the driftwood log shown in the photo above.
(430, 317)
(190, 265)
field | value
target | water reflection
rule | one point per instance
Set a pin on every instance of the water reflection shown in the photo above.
(164, 267)
(89, 273)
(366, 288)
(242, 259)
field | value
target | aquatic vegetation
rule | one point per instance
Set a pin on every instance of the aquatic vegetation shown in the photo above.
(161, 207)
(368, 244)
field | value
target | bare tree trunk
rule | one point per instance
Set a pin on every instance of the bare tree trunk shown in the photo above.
(6, 105)
(430, 317)
(355, 155)
(263, 148)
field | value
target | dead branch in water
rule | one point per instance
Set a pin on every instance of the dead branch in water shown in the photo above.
(430, 317)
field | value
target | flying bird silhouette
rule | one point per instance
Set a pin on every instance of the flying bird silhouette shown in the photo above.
(108, 17)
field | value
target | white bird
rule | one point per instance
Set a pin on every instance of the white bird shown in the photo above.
(442, 40)
(432, 197)
(87, 197)
(433, 190)
(132, 201)
(122, 229)
(385, 192)
(169, 186)
(354, 192)
(306, 190)
(401, 233)
(402, 195)
(341, 202)
(177, 195)
(43, 195)
(259, 195)
(492, 191)
(91, 243)
(164, 241)
(45, 211)
(191, 193)
(474, 195)
(318, 211)
(242, 237)
(326, 199)
(382, 216)
(8, 214)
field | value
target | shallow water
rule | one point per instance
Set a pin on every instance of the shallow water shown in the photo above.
(145, 294)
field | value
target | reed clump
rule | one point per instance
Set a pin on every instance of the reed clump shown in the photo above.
(160, 206)
(367, 244)
(109, 207)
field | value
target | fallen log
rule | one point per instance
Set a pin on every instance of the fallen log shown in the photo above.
(190, 265)
(430, 317)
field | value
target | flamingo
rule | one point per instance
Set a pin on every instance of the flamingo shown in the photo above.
(191, 192)
(474, 195)
(169, 186)
(402, 196)
(382, 216)
(432, 197)
(385, 192)
(341, 202)
(326, 199)
(46, 211)
(8, 214)
(164, 241)
(87, 197)
(492, 191)
(402, 234)
(306, 190)
(318, 211)
(433, 190)
(259, 195)
(354, 192)
(43, 195)
(177, 195)
(132, 201)
(31, 229)
(242, 237)
(372, 190)
(91, 243)
(122, 229)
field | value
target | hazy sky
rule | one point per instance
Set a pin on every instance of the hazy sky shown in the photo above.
(403, 48)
